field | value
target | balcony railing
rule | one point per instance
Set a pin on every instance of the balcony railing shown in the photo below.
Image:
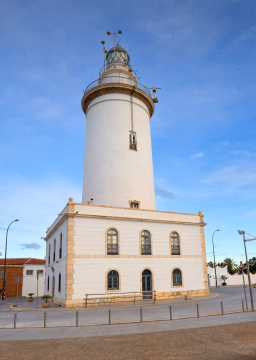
(175, 250)
(118, 65)
(120, 80)
(112, 250)
(146, 250)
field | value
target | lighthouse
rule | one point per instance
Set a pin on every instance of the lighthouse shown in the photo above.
(114, 243)
(118, 167)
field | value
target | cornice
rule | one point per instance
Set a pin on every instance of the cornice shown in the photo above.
(117, 88)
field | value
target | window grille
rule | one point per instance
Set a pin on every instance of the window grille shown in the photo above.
(176, 277)
(145, 243)
(113, 280)
(112, 242)
(175, 243)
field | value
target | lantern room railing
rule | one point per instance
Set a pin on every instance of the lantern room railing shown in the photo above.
(120, 80)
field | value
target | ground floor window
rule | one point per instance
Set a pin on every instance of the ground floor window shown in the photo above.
(59, 286)
(113, 280)
(176, 277)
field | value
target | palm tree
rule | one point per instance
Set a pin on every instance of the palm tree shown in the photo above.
(231, 264)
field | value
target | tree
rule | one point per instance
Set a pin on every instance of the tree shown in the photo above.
(210, 263)
(231, 264)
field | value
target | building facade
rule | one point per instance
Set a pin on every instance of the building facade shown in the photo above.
(27, 268)
(115, 242)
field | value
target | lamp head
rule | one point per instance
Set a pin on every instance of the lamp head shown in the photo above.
(120, 32)
(108, 33)
(240, 232)
(103, 42)
(16, 220)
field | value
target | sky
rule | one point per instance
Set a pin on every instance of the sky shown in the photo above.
(202, 56)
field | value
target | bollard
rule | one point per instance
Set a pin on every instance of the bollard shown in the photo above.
(15, 320)
(76, 318)
(197, 307)
(243, 305)
(45, 315)
(222, 311)
(141, 318)
(109, 316)
(170, 312)
(86, 300)
(134, 299)
(154, 298)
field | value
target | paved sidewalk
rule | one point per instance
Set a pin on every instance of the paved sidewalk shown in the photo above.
(124, 329)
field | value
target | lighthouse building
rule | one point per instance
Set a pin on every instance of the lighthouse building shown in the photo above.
(115, 242)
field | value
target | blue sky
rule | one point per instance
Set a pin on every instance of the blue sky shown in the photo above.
(203, 129)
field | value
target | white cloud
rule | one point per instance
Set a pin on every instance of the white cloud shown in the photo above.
(198, 155)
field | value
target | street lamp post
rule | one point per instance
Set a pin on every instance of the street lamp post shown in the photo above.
(216, 281)
(247, 265)
(4, 282)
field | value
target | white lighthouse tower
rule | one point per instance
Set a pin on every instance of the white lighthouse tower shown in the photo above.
(118, 168)
(118, 246)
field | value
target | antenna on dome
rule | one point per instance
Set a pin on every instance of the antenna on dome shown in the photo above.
(110, 33)
(104, 52)
(155, 99)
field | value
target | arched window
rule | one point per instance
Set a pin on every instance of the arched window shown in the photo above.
(113, 280)
(176, 277)
(175, 243)
(60, 250)
(59, 285)
(145, 243)
(112, 242)
(48, 283)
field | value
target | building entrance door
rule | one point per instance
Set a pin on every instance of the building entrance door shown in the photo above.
(147, 284)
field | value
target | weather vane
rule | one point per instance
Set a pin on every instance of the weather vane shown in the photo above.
(110, 33)
(104, 52)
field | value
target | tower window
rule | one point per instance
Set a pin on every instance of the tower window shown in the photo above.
(134, 204)
(133, 141)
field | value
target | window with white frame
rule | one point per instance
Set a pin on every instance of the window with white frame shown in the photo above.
(29, 272)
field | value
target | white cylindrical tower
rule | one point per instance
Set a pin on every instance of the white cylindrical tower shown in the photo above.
(118, 168)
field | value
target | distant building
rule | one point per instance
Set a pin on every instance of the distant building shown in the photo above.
(27, 268)
(115, 241)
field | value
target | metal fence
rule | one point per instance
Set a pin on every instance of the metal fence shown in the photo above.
(117, 79)
(107, 316)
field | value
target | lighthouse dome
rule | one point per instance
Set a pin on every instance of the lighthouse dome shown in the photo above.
(118, 54)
